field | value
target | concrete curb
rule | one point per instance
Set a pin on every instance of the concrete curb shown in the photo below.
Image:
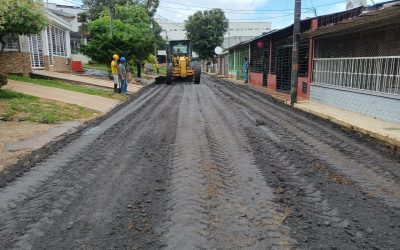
(383, 138)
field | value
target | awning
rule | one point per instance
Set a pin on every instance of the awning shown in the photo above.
(368, 20)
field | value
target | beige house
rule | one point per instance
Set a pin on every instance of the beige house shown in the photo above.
(48, 50)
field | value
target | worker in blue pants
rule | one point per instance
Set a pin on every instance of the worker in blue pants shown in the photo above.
(122, 75)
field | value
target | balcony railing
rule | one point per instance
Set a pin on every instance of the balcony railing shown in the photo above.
(377, 74)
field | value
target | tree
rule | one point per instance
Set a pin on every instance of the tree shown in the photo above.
(131, 38)
(96, 7)
(21, 17)
(206, 31)
(160, 42)
(150, 5)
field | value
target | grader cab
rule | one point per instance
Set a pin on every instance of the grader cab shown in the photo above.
(179, 54)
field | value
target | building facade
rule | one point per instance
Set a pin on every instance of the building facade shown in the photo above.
(349, 59)
(69, 13)
(49, 50)
(237, 31)
(356, 65)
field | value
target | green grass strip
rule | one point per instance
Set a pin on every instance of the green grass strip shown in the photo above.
(108, 93)
(20, 107)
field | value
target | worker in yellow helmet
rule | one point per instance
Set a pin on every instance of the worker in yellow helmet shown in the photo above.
(114, 71)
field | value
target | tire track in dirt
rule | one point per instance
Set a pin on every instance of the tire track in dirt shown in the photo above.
(222, 196)
(380, 185)
(326, 132)
(287, 166)
(50, 204)
(279, 156)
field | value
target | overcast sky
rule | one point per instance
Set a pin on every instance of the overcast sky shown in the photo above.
(278, 12)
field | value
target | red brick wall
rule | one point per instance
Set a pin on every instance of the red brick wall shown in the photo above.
(15, 62)
(256, 78)
(271, 82)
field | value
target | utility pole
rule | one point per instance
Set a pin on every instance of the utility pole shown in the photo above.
(295, 52)
(111, 17)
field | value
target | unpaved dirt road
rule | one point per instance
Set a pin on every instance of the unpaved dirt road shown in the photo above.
(209, 166)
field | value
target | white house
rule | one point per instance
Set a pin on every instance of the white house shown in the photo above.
(70, 14)
(49, 50)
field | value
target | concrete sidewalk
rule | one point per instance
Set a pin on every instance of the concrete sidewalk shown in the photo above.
(378, 129)
(83, 80)
(383, 131)
(98, 103)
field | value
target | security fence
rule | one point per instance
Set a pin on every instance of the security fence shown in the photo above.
(378, 74)
(382, 41)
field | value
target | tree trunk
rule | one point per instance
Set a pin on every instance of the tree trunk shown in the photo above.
(3, 44)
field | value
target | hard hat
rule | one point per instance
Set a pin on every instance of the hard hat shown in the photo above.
(115, 56)
(122, 59)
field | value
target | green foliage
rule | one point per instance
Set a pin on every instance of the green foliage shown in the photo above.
(97, 7)
(206, 31)
(21, 17)
(3, 79)
(90, 90)
(152, 59)
(132, 36)
(150, 5)
(134, 15)
(4, 7)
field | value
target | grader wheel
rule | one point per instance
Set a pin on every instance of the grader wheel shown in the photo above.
(197, 74)
(169, 75)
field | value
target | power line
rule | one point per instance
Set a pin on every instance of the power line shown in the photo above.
(259, 10)
(174, 22)
(230, 12)
(236, 19)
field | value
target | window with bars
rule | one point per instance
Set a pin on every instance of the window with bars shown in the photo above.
(36, 50)
(57, 42)
(12, 42)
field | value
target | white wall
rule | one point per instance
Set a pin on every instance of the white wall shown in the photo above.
(74, 10)
(80, 57)
(247, 28)
(237, 31)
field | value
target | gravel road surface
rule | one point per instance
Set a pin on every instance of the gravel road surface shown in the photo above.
(209, 166)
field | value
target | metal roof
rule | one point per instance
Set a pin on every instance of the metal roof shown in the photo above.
(388, 14)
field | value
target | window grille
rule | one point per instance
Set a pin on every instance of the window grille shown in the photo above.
(50, 44)
(376, 74)
(12, 42)
(384, 41)
(259, 61)
(57, 41)
(281, 63)
(36, 51)
(256, 58)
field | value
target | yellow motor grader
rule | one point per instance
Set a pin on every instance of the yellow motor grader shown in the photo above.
(179, 65)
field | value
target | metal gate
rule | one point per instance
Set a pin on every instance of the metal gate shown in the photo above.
(283, 69)
(36, 51)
